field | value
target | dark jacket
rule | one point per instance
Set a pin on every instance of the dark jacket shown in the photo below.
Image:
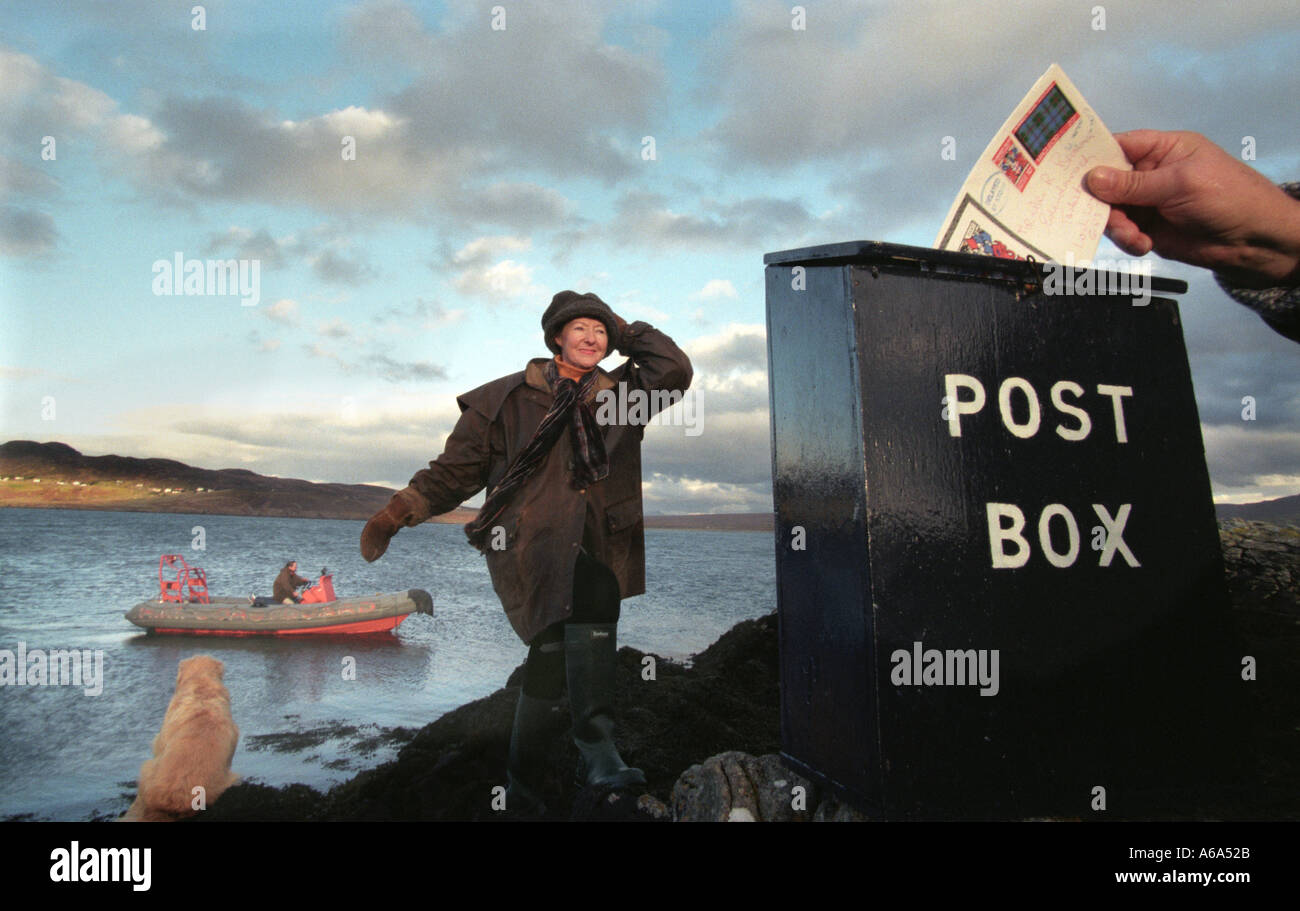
(1278, 306)
(548, 520)
(285, 583)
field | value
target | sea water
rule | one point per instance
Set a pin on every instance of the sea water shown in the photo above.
(311, 711)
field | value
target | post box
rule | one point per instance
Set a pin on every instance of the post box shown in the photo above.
(1000, 587)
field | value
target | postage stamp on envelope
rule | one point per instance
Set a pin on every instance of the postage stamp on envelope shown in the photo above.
(1014, 164)
(1049, 118)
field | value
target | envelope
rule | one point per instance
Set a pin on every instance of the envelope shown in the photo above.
(1025, 196)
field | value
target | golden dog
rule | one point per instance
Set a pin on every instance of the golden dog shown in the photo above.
(193, 749)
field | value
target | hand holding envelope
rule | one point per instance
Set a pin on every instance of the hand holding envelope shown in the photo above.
(1189, 200)
(1026, 196)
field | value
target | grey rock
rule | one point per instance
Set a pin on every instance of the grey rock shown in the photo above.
(653, 807)
(738, 787)
(1261, 563)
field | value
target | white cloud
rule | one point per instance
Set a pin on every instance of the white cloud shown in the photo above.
(284, 311)
(506, 279)
(714, 289)
(484, 249)
(737, 347)
(669, 495)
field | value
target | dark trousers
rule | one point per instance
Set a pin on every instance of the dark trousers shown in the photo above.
(595, 600)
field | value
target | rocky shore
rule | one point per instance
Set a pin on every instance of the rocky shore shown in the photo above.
(706, 734)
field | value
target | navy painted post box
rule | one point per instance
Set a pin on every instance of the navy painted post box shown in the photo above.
(999, 579)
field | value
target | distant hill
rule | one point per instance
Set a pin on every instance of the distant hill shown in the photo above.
(724, 521)
(1282, 511)
(70, 480)
(54, 475)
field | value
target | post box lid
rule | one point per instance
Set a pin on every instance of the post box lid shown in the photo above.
(926, 259)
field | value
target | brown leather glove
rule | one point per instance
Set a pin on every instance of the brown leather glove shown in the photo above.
(405, 509)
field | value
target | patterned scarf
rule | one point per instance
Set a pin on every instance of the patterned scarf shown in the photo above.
(590, 464)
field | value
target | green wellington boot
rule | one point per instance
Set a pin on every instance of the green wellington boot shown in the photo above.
(590, 654)
(528, 739)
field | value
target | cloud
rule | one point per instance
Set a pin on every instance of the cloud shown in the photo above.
(546, 92)
(647, 219)
(327, 248)
(504, 280)
(422, 314)
(334, 266)
(523, 206)
(728, 444)
(348, 439)
(317, 350)
(739, 347)
(482, 250)
(335, 328)
(387, 30)
(400, 371)
(665, 495)
(1242, 457)
(25, 232)
(379, 365)
(866, 80)
(284, 311)
(222, 148)
(714, 289)
(18, 179)
(246, 243)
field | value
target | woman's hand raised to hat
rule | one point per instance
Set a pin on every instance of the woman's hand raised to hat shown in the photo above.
(620, 332)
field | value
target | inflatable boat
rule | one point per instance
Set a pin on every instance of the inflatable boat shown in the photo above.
(184, 607)
(236, 617)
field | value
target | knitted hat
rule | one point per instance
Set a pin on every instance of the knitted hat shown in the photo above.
(570, 305)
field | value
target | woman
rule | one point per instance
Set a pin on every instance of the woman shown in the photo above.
(562, 526)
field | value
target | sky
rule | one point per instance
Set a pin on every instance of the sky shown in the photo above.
(413, 181)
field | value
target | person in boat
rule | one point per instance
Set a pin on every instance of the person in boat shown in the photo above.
(284, 589)
(562, 526)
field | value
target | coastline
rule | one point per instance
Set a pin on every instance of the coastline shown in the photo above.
(742, 522)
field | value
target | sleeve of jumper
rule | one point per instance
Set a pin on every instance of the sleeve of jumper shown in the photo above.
(462, 469)
(1279, 306)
